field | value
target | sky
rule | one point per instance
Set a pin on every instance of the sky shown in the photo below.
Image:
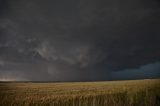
(79, 40)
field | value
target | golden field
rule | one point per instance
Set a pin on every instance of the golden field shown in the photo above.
(103, 93)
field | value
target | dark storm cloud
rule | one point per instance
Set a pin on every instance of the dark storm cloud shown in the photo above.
(77, 39)
(146, 71)
(3, 6)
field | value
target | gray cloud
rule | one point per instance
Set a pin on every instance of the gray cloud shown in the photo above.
(77, 40)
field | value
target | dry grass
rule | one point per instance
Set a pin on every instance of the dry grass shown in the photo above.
(111, 93)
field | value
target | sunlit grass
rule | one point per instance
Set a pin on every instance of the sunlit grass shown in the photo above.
(107, 93)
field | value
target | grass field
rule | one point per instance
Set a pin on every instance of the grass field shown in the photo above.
(105, 93)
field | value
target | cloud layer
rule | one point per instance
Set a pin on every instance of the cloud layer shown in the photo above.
(77, 39)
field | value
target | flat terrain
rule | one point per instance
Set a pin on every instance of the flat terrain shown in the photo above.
(103, 93)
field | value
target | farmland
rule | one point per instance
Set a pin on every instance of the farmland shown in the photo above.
(102, 93)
